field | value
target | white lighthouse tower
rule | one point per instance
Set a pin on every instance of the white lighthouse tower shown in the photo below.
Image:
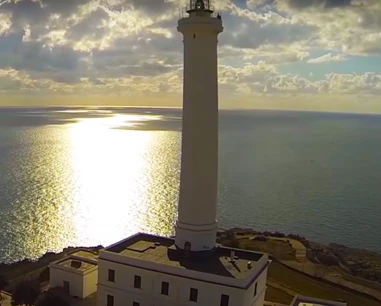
(196, 226)
(190, 269)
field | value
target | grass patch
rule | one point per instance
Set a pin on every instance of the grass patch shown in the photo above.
(277, 248)
(276, 295)
(362, 282)
(309, 286)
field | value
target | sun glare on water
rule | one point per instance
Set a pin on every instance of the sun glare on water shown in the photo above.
(90, 182)
(114, 178)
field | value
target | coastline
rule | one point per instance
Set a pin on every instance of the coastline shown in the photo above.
(357, 270)
(360, 262)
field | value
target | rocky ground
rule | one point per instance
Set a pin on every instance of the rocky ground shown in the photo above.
(356, 262)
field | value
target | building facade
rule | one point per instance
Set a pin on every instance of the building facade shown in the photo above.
(77, 274)
(147, 270)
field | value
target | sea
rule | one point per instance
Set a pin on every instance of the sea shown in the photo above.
(87, 176)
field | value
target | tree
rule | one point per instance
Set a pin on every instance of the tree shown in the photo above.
(3, 283)
(25, 293)
(51, 298)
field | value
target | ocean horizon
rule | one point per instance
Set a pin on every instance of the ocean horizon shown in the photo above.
(85, 176)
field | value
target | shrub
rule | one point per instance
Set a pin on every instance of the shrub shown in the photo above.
(328, 259)
(25, 293)
(260, 238)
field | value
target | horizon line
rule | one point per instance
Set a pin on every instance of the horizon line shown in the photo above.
(180, 108)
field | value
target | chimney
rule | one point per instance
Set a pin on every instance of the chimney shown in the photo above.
(232, 255)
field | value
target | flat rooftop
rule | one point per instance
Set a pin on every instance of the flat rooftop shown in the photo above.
(162, 251)
(80, 260)
(84, 254)
(309, 301)
(77, 264)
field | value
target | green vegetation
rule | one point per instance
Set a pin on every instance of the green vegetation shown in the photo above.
(361, 263)
(25, 293)
(277, 248)
(362, 282)
(306, 285)
(277, 296)
(51, 298)
(3, 284)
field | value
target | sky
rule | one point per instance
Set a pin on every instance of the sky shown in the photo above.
(273, 54)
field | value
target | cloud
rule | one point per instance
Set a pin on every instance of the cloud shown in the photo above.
(307, 4)
(132, 47)
(327, 58)
(355, 83)
(348, 26)
(302, 4)
(5, 23)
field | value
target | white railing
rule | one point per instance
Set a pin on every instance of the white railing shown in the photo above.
(183, 13)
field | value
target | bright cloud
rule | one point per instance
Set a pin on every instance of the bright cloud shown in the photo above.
(131, 48)
(327, 58)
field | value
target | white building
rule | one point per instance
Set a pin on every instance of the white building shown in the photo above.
(146, 270)
(77, 274)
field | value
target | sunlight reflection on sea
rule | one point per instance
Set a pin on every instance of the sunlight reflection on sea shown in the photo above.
(96, 184)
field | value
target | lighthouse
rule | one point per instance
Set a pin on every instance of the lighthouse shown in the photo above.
(190, 268)
(196, 226)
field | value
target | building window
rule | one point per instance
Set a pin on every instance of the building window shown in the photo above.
(135, 304)
(224, 300)
(255, 289)
(193, 294)
(164, 288)
(111, 275)
(137, 282)
(110, 300)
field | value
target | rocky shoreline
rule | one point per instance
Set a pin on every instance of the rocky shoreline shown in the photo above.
(356, 262)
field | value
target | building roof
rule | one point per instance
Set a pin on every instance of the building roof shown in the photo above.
(77, 264)
(84, 254)
(309, 301)
(81, 261)
(161, 250)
